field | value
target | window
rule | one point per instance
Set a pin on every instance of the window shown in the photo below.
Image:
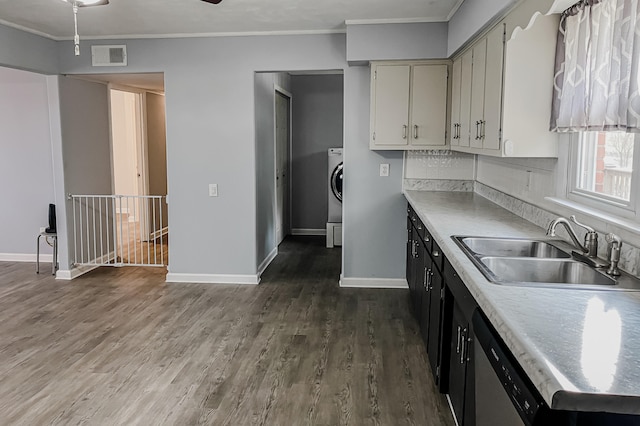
(603, 170)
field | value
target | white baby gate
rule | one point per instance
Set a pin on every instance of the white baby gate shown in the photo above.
(119, 230)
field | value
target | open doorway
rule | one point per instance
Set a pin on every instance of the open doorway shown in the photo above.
(138, 139)
(129, 224)
(292, 162)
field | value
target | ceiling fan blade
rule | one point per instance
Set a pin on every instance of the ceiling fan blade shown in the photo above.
(212, 1)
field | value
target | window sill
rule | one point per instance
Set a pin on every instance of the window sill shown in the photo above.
(609, 218)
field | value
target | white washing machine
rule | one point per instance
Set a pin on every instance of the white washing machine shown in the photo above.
(334, 217)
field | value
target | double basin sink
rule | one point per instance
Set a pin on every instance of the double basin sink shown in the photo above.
(530, 262)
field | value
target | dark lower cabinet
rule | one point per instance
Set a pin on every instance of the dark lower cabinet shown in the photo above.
(425, 301)
(426, 288)
(459, 308)
(436, 301)
(458, 357)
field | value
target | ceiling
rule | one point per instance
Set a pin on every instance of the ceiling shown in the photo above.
(156, 18)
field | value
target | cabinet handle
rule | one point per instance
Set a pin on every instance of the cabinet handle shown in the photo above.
(427, 278)
(463, 345)
(477, 130)
(404, 131)
(416, 246)
(430, 280)
(415, 131)
(458, 125)
(413, 248)
(482, 133)
(459, 332)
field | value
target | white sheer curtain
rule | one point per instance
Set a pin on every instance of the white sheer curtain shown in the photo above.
(597, 63)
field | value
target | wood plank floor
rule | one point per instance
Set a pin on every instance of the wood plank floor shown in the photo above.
(121, 346)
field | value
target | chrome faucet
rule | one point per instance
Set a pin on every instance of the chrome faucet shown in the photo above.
(589, 248)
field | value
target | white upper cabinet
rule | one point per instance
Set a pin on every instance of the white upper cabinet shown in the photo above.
(409, 105)
(502, 96)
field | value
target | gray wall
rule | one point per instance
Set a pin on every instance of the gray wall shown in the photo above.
(471, 18)
(209, 87)
(396, 41)
(374, 209)
(265, 160)
(19, 49)
(211, 134)
(86, 150)
(157, 151)
(26, 170)
(318, 102)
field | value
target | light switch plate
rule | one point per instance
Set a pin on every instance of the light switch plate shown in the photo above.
(384, 170)
(213, 190)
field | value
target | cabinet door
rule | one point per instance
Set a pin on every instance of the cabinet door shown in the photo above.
(456, 91)
(491, 128)
(428, 117)
(436, 291)
(477, 92)
(391, 105)
(409, 265)
(425, 314)
(418, 276)
(457, 363)
(465, 98)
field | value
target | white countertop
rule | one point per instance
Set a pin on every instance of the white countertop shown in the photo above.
(580, 348)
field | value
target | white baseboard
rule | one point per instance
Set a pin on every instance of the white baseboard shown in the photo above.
(69, 274)
(373, 282)
(266, 262)
(212, 278)
(78, 270)
(25, 257)
(303, 231)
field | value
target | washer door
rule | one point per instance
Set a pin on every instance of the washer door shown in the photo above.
(336, 182)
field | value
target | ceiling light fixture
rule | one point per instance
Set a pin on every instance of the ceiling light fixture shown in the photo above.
(76, 4)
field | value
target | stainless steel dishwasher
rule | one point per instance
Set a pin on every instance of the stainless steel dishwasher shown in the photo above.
(503, 395)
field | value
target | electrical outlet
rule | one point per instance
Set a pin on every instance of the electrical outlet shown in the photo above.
(384, 170)
(213, 190)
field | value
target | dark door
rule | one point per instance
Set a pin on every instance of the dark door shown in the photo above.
(457, 363)
(433, 348)
(425, 289)
(418, 274)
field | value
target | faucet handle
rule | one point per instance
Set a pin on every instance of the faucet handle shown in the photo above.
(582, 225)
(613, 239)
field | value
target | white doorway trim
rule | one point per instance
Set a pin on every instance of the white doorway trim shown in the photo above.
(277, 89)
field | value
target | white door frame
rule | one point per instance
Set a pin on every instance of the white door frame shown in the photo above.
(142, 153)
(277, 89)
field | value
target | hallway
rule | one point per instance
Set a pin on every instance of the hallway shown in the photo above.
(121, 346)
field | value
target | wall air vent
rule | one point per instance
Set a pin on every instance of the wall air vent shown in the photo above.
(109, 56)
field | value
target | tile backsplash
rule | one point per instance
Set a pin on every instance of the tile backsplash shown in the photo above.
(445, 165)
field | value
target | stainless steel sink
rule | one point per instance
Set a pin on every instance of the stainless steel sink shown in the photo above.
(537, 263)
(537, 270)
(511, 247)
